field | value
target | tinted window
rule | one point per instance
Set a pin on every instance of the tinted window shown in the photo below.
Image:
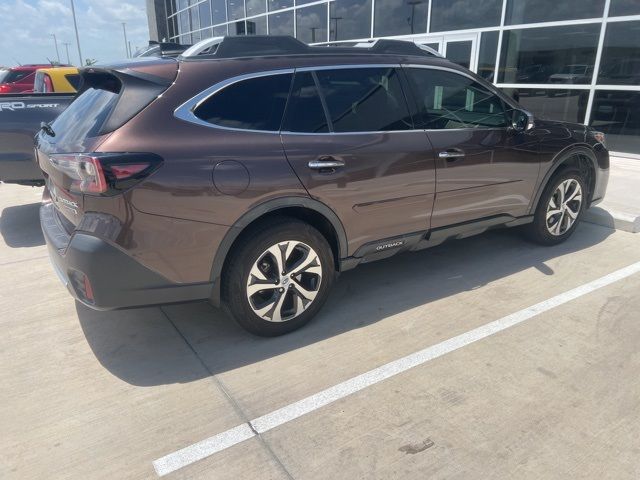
(448, 100)
(364, 99)
(561, 55)
(74, 79)
(304, 110)
(460, 14)
(399, 17)
(84, 117)
(10, 76)
(487, 56)
(565, 105)
(311, 24)
(620, 63)
(624, 7)
(349, 19)
(253, 104)
(618, 115)
(534, 11)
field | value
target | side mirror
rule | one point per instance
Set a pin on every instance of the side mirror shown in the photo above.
(522, 121)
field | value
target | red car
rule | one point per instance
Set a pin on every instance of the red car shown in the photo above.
(19, 79)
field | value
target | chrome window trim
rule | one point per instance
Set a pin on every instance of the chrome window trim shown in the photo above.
(186, 110)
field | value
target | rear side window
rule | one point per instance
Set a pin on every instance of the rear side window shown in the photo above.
(253, 104)
(85, 116)
(74, 79)
(364, 99)
(304, 109)
(448, 100)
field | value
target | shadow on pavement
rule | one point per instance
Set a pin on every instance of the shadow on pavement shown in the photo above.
(20, 226)
(361, 297)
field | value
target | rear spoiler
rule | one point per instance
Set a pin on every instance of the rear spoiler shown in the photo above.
(135, 88)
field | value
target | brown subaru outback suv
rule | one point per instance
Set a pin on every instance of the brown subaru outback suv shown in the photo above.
(249, 173)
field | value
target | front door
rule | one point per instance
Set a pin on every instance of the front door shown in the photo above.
(484, 168)
(355, 150)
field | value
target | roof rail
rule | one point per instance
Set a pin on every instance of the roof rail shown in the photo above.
(266, 45)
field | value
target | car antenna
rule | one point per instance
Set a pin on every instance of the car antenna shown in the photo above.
(16, 60)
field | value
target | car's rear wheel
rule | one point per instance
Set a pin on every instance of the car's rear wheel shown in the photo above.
(278, 279)
(559, 210)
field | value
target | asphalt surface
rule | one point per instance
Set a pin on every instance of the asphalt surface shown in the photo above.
(554, 395)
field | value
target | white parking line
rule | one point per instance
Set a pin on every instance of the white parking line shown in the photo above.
(233, 436)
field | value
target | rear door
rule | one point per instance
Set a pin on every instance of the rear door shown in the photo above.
(484, 167)
(354, 148)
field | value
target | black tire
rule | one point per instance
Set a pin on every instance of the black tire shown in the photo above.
(538, 231)
(249, 250)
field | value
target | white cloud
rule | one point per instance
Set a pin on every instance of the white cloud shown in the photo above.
(27, 25)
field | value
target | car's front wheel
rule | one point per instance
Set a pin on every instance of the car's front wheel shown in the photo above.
(559, 209)
(277, 280)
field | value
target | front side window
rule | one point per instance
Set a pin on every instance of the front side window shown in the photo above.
(364, 99)
(447, 100)
(253, 104)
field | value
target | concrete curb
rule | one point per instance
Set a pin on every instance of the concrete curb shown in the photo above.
(613, 219)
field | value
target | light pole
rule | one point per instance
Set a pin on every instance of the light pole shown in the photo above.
(126, 43)
(55, 41)
(66, 47)
(75, 25)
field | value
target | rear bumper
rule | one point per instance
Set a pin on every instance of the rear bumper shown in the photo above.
(116, 279)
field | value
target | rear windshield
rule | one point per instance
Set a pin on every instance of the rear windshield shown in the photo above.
(10, 76)
(84, 117)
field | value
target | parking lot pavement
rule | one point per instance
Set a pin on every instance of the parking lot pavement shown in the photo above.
(105, 394)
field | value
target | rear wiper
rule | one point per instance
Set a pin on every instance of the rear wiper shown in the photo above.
(46, 128)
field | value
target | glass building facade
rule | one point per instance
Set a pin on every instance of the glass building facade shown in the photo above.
(574, 60)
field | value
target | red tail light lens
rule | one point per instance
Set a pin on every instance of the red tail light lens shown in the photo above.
(5, 88)
(104, 174)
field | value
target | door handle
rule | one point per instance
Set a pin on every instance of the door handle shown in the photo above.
(326, 163)
(451, 154)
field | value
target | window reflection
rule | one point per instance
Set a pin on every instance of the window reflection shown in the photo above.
(311, 24)
(281, 23)
(624, 7)
(620, 63)
(257, 26)
(617, 114)
(534, 11)
(487, 55)
(235, 9)
(237, 28)
(564, 105)
(349, 19)
(461, 14)
(400, 17)
(219, 11)
(204, 14)
(255, 7)
(278, 4)
(560, 55)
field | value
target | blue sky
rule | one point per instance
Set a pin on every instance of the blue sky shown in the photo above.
(27, 25)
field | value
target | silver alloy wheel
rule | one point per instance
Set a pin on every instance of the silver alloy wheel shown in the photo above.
(284, 281)
(564, 207)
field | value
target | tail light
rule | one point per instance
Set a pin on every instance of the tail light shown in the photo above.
(4, 88)
(105, 173)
